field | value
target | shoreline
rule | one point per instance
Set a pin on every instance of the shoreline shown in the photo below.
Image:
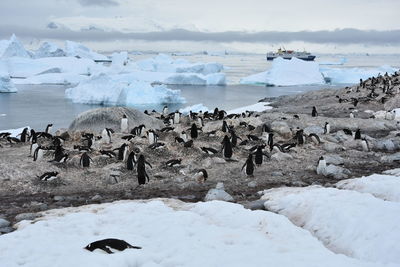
(24, 195)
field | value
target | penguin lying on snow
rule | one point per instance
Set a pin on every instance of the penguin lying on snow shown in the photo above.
(110, 243)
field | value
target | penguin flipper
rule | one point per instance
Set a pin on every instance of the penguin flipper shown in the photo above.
(148, 164)
(106, 249)
(243, 166)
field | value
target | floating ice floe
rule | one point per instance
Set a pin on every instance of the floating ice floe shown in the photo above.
(171, 233)
(286, 73)
(13, 48)
(6, 84)
(109, 90)
(353, 75)
(355, 224)
(258, 107)
(48, 49)
(194, 108)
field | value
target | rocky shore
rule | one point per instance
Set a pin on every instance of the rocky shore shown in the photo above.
(107, 179)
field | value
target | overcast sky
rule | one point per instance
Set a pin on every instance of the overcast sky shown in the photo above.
(338, 22)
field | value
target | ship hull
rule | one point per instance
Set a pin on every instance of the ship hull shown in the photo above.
(306, 58)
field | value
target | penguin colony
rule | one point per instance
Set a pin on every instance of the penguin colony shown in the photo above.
(146, 154)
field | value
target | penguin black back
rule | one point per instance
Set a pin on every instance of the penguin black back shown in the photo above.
(85, 160)
(227, 147)
(108, 243)
(193, 131)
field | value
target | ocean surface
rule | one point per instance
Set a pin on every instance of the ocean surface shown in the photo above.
(38, 105)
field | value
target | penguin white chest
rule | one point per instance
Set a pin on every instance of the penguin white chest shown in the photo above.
(176, 118)
(151, 138)
(39, 155)
(33, 148)
(124, 125)
(321, 168)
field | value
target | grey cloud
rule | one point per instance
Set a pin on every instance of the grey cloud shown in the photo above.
(343, 36)
(103, 3)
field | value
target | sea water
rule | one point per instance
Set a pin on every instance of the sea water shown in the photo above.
(38, 105)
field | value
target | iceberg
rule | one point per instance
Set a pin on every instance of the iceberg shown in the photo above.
(353, 75)
(48, 49)
(6, 84)
(112, 90)
(13, 48)
(194, 108)
(286, 73)
(73, 49)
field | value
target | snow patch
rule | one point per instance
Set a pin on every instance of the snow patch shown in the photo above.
(258, 107)
(194, 108)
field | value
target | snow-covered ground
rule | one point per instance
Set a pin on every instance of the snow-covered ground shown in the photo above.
(353, 75)
(355, 224)
(386, 187)
(258, 107)
(171, 233)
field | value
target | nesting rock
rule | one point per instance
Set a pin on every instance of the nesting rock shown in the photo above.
(218, 193)
(282, 128)
(97, 119)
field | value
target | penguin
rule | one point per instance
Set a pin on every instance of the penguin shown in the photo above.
(285, 148)
(315, 138)
(124, 124)
(138, 130)
(250, 127)
(200, 121)
(357, 135)
(365, 145)
(234, 137)
(179, 140)
(201, 176)
(193, 131)
(271, 141)
(259, 154)
(59, 155)
(85, 160)
(107, 244)
(128, 137)
(33, 137)
(225, 127)
(249, 165)
(209, 150)
(265, 129)
(156, 145)
(122, 152)
(167, 129)
(314, 112)
(152, 137)
(300, 137)
(165, 110)
(82, 148)
(108, 153)
(24, 135)
(252, 137)
(48, 128)
(348, 131)
(48, 176)
(34, 145)
(106, 135)
(38, 154)
(141, 170)
(188, 143)
(131, 161)
(183, 135)
(327, 128)
(13, 140)
(173, 162)
(321, 168)
(177, 117)
(211, 134)
(351, 115)
(4, 135)
(227, 147)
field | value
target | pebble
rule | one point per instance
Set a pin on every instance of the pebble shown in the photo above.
(6, 230)
(4, 223)
(26, 216)
(59, 198)
(97, 198)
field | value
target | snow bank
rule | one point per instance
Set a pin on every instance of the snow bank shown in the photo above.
(48, 49)
(171, 233)
(13, 48)
(259, 107)
(194, 108)
(287, 72)
(73, 49)
(353, 75)
(6, 85)
(104, 89)
(386, 187)
(355, 224)
(119, 59)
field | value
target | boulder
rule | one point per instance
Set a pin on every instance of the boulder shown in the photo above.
(218, 193)
(97, 119)
(281, 128)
